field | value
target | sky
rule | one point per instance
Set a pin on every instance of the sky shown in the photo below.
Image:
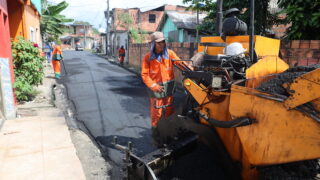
(92, 11)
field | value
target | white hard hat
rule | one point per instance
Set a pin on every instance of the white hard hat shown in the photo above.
(234, 49)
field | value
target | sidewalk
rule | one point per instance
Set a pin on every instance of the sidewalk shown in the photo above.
(37, 144)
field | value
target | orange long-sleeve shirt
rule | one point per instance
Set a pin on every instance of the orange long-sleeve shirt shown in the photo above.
(121, 52)
(153, 71)
(57, 50)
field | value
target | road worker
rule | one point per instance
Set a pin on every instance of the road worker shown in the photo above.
(122, 54)
(56, 58)
(157, 73)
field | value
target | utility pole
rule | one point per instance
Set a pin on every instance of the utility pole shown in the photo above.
(197, 37)
(84, 41)
(219, 17)
(107, 30)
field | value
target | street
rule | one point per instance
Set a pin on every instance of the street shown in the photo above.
(111, 101)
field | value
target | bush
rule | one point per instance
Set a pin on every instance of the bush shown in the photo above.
(28, 68)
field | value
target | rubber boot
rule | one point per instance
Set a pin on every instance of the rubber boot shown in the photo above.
(57, 76)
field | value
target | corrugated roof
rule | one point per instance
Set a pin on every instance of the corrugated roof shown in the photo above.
(185, 20)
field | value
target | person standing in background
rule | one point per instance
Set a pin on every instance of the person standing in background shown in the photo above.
(48, 51)
(122, 54)
(56, 58)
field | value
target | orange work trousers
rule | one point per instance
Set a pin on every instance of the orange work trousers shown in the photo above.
(158, 107)
(56, 66)
(121, 59)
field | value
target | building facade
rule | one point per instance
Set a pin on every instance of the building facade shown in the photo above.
(180, 26)
(144, 23)
(7, 100)
(24, 19)
(80, 33)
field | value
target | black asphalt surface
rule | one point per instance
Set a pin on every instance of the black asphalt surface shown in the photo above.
(111, 101)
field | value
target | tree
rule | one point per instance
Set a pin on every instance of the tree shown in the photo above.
(304, 17)
(52, 22)
(263, 18)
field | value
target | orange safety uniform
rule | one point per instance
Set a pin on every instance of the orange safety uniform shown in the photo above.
(154, 73)
(122, 53)
(56, 63)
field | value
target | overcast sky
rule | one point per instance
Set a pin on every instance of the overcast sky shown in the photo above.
(93, 10)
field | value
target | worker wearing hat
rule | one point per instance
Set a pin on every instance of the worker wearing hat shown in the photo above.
(157, 73)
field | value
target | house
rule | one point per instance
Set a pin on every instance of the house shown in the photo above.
(7, 100)
(118, 34)
(82, 33)
(143, 23)
(24, 19)
(180, 26)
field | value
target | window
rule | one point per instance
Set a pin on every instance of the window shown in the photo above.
(36, 36)
(4, 19)
(152, 18)
(31, 38)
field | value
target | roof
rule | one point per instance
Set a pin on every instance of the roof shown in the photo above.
(79, 25)
(185, 20)
(165, 7)
(37, 5)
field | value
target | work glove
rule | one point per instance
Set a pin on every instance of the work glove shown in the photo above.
(157, 88)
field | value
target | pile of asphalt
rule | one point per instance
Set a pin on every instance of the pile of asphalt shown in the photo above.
(275, 85)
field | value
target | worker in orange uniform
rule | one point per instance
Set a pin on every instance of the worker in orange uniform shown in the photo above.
(122, 54)
(157, 73)
(56, 58)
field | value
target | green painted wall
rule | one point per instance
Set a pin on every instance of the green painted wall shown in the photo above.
(168, 26)
(37, 5)
(181, 36)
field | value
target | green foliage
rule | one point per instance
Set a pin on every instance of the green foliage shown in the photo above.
(52, 22)
(127, 22)
(263, 18)
(28, 68)
(304, 16)
(137, 36)
(24, 91)
(95, 31)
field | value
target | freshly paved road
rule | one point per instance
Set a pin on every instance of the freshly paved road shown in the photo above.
(111, 101)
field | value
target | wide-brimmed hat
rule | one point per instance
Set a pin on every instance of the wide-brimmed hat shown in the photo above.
(157, 36)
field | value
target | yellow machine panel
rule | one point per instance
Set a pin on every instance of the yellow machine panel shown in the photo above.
(263, 46)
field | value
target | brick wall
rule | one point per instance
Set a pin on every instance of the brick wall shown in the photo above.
(137, 52)
(296, 52)
(183, 50)
(301, 52)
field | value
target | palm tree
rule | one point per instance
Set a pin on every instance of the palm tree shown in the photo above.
(52, 22)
